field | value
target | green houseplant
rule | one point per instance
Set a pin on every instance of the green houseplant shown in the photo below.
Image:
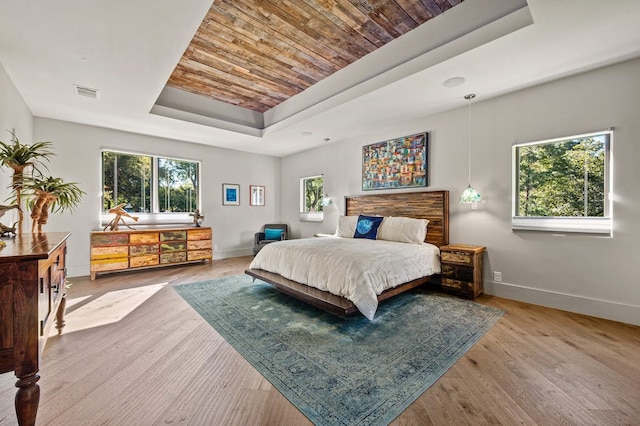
(18, 157)
(50, 194)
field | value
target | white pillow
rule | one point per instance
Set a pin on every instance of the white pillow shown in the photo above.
(346, 226)
(403, 229)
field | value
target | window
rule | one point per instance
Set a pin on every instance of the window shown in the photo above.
(157, 189)
(311, 190)
(563, 184)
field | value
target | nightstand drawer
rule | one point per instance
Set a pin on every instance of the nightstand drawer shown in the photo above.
(458, 257)
(462, 287)
(457, 272)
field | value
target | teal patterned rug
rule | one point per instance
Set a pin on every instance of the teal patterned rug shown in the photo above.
(342, 371)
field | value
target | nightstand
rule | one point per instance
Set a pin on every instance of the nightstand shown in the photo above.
(462, 269)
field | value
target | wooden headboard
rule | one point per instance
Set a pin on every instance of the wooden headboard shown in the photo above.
(430, 205)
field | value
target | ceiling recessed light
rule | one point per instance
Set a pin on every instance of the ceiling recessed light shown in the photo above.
(454, 82)
(306, 134)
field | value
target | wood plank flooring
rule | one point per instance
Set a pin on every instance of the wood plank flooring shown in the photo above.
(135, 353)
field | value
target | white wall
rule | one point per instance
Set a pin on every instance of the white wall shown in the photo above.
(14, 114)
(77, 148)
(581, 273)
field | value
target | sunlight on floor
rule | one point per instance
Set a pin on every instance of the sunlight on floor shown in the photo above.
(106, 309)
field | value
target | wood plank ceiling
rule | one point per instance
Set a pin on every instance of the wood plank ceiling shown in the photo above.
(258, 53)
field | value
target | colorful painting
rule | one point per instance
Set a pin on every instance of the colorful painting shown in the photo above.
(396, 163)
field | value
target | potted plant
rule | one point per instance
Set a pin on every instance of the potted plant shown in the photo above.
(20, 156)
(50, 194)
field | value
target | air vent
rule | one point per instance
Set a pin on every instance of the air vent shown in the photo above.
(87, 92)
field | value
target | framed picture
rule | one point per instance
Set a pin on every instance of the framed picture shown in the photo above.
(396, 163)
(256, 195)
(230, 194)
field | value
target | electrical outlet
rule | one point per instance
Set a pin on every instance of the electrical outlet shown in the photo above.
(497, 276)
(215, 247)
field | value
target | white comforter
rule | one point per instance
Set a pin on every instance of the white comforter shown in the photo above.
(356, 269)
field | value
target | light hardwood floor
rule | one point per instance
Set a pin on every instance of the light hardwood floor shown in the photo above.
(134, 353)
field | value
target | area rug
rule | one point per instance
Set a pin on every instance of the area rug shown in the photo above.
(341, 371)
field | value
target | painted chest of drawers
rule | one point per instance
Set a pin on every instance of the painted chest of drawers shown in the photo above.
(113, 251)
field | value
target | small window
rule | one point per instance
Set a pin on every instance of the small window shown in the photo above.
(156, 189)
(311, 193)
(563, 184)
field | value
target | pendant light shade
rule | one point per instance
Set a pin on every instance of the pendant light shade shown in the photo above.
(470, 195)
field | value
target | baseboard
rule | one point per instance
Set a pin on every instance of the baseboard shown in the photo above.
(607, 309)
(225, 254)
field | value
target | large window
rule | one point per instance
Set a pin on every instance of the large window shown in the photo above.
(311, 193)
(148, 184)
(563, 184)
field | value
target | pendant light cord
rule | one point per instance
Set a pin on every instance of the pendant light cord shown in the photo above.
(469, 97)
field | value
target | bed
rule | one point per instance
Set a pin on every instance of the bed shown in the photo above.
(430, 205)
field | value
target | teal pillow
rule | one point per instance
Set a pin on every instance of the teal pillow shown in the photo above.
(273, 234)
(367, 227)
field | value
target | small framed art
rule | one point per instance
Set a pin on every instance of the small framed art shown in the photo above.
(230, 194)
(256, 195)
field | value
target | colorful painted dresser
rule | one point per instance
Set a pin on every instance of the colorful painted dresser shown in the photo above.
(113, 251)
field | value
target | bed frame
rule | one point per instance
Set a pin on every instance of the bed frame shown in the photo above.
(431, 205)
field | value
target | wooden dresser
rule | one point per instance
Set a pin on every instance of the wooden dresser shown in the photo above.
(32, 294)
(113, 251)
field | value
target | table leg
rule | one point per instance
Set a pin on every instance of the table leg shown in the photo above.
(27, 399)
(60, 314)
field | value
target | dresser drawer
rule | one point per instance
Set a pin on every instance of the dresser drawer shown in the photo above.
(143, 249)
(199, 254)
(116, 264)
(199, 234)
(173, 235)
(144, 238)
(198, 244)
(175, 257)
(107, 239)
(140, 261)
(169, 247)
(98, 253)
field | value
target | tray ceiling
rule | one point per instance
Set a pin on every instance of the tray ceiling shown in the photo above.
(255, 54)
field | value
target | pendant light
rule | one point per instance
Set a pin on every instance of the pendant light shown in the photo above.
(470, 195)
(326, 200)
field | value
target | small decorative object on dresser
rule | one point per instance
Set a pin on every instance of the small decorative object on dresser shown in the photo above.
(120, 213)
(462, 269)
(197, 217)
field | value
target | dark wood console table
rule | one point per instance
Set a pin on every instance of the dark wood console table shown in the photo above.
(32, 293)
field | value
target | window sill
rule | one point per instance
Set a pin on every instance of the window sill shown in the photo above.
(311, 217)
(598, 226)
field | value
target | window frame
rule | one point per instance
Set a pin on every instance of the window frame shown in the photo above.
(305, 215)
(155, 217)
(577, 224)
